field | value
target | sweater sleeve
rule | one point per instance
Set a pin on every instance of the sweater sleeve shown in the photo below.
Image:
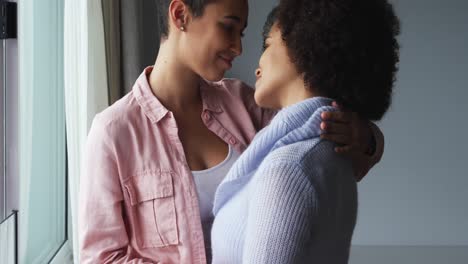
(102, 234)
(282, 212)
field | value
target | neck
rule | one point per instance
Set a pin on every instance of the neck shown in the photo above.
(172, 82)
(296, 92)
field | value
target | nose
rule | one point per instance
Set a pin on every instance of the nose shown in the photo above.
(237, 46)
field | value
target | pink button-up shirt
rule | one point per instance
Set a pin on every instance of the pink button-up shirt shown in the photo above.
(138, 200)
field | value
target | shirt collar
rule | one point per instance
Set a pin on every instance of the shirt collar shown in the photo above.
(155, 110)
(209, 98)
(150, 104)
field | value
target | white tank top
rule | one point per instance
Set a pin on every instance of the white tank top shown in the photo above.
(207, 182)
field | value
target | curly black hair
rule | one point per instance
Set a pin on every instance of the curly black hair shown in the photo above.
(196, 6)
(346, 49)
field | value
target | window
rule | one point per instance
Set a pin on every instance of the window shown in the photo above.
(8, 130)
(43, 198)
(38, 108)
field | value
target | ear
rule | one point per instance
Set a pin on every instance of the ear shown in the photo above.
(179, 14)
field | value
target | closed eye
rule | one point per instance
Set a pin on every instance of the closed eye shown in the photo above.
(230, 28)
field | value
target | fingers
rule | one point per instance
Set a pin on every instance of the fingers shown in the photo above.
(341, 127)
(334, 128)
(346, 150)
(335, 104)
(340, 117)
(337, 138)
(340, 107)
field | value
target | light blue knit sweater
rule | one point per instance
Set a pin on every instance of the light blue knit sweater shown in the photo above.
(289, 198)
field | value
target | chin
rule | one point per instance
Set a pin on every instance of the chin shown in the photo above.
(213, 76)
(260, 100)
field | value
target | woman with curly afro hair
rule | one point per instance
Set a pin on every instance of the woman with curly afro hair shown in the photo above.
(290, 198)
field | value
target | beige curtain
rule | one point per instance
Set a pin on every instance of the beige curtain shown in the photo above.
(132, 42)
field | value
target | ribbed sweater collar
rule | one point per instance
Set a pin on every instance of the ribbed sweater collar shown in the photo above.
(292, 124)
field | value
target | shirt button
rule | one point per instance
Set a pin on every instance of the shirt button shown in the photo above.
(232, 141)
(206, 116)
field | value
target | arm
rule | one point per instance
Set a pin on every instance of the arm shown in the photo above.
(102, 234)
(360, 139)
(282, 210)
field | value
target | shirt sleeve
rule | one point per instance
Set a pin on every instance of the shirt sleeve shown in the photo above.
(102, 234)
(262, 117)
(282, 211)
(363, 163)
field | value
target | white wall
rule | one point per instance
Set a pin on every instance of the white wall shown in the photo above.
(418, 194)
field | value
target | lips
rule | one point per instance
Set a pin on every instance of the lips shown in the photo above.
(227, 60)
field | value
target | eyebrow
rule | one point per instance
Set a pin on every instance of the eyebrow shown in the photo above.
(237, 19)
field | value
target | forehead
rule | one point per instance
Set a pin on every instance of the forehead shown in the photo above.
(274, 32)
(229, 8)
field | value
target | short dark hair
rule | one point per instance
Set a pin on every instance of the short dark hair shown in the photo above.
(346, 49)
(196, 6)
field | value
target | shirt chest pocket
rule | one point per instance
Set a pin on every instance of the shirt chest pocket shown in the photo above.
(152, 210)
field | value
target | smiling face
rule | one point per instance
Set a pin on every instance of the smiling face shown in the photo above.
(277, 78)
(213, 40)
